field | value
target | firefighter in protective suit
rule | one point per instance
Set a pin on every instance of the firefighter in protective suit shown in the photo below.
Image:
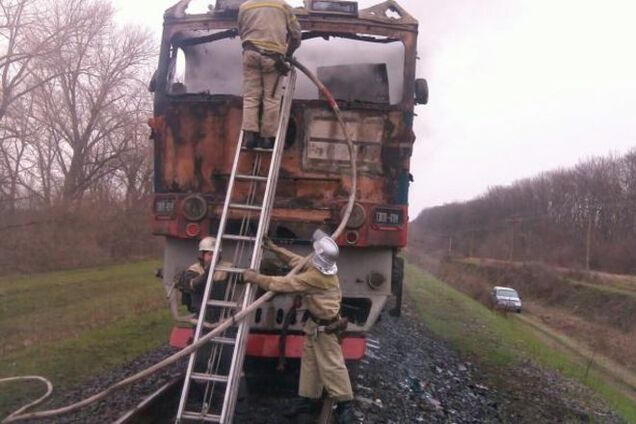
(191, 282)
(322, 364)
(269, 31)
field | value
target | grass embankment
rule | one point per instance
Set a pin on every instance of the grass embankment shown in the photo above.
(70, 326)
(598, 315)
(499, 343)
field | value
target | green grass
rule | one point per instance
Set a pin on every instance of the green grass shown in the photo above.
(77, 324)
(44, 307)
(498, 342)
(603, 288)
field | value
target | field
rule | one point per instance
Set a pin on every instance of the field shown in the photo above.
(597, 311)
(504, 344)
(70, 326)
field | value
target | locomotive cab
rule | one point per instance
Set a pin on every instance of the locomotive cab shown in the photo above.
(367, 60)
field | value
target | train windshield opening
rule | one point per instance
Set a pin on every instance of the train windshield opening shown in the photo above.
(356, 69)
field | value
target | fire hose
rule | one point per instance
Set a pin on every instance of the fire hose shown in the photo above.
(21, 414)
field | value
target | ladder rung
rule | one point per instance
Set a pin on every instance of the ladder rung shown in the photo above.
(229, 269)
(250, 177)
(223, 340)
(239, 238)
(236, 342)
(201, 417)
(256, 149)
(246, 207)
(213, 378)
(223, 303)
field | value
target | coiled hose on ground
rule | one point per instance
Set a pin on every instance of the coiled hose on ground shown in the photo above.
(21, 414)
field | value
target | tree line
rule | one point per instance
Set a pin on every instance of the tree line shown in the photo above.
(75, 160)
(581, 217)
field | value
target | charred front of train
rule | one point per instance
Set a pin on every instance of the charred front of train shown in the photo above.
(367, 60)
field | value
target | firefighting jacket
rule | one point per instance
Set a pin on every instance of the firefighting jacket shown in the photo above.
(195, 276)
(321, 293)
(192, 285)
(269, 25)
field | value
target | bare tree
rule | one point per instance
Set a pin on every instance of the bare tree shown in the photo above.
(87, 108)
(14, 152)
(31, 31)
(583, 216)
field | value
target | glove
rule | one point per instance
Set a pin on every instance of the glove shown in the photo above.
(250, 275)
(268, 243)
(199, 281)
(337, 327)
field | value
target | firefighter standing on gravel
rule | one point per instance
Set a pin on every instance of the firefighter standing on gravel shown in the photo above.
(269, 31)
(322, 364)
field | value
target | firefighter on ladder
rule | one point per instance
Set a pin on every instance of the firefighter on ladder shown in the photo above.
(322, 364)
(269, 31)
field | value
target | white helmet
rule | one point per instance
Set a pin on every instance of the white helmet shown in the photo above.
(207, 244)
(325, 253)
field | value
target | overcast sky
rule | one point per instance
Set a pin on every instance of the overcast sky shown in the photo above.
(517, 87)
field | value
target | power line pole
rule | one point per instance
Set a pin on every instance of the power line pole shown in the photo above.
(513, 222)
(588, 244)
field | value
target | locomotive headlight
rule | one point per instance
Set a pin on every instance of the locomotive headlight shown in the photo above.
(357, 217)
(194, 207)
(375, 280)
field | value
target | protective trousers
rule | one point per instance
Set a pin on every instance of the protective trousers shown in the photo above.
(323, 366)
(260, 85)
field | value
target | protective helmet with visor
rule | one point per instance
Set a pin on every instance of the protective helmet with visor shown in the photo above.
(325, 253)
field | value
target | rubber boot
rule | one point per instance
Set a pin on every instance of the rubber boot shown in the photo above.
(303, 406)
(250, 139)
(242, 400)
(267, 143)
(344, 412)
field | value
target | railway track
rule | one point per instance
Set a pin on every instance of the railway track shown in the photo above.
(407, 376)
(158, 407)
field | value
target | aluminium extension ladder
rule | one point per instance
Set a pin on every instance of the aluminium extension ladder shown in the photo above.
(212, 379)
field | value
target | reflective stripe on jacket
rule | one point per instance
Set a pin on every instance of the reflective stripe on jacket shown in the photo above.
(270, 25)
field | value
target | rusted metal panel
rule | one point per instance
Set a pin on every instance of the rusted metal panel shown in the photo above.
(196, 145)
(195, 142)
(195, 137)
(327, 150)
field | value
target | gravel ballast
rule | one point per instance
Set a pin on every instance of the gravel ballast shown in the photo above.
(408, 376)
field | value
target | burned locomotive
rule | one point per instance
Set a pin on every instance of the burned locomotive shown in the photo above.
(367, 60)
